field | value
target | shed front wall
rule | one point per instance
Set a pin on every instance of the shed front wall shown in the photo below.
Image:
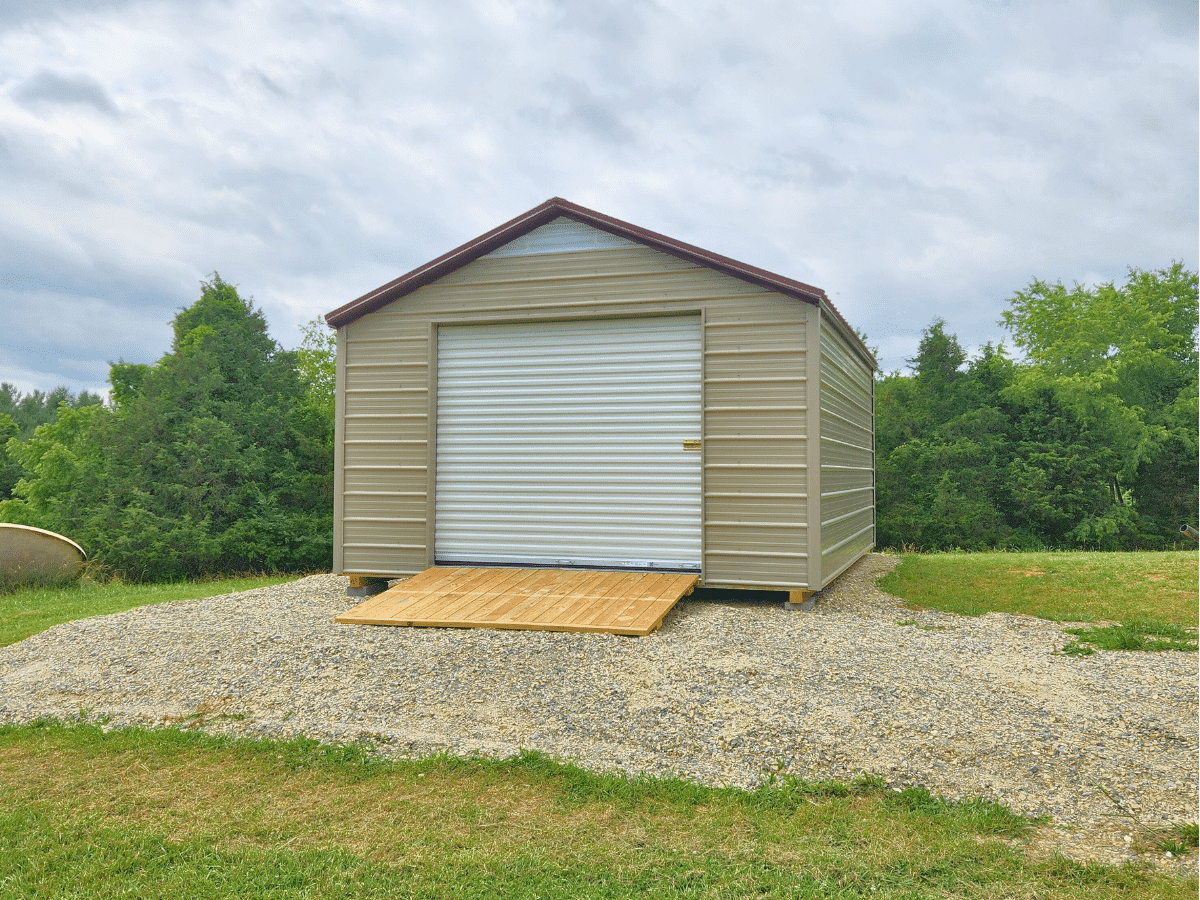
(755, 401)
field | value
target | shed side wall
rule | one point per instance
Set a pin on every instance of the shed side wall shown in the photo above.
(847, 454)
(755, 399)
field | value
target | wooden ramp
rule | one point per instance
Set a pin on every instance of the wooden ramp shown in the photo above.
(531, 599)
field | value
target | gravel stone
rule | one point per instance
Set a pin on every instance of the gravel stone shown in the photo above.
(725, 693)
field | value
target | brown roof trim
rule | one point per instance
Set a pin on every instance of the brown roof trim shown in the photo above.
(547, 212)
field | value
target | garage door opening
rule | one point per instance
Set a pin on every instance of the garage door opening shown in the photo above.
(570, 444)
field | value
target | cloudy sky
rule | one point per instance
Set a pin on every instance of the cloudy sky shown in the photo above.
(914, 158)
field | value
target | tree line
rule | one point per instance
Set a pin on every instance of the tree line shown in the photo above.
(1089, 442)
(219, 457)
(216, 459)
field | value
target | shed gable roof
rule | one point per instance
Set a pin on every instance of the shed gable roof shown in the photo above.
(557, 208)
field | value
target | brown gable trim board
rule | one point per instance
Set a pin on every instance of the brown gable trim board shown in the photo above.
(553, 209)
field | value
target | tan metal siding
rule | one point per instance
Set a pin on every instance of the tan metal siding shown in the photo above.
(847, 503)
(383, 425)
(339, 473)
(754, 443)
(755, 401)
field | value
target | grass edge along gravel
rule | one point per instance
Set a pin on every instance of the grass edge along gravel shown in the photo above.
(1151, 597)
(25, 611)
(1149, 637)
(167, 813)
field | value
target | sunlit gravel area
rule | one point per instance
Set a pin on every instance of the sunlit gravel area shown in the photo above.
(726, 692)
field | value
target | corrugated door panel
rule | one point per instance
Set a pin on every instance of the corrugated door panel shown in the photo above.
(561, 443)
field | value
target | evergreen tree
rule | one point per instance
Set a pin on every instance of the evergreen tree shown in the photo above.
(201, 466)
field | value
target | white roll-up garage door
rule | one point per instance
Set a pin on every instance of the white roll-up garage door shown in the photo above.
(562, 444)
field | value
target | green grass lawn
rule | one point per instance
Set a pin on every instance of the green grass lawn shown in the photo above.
(1062, 587)
(1152, 597)
(27, 611)
(171, 814)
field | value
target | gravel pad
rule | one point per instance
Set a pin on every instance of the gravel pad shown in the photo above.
(723, 693)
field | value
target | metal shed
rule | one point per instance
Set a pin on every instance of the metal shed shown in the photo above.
(570, 390)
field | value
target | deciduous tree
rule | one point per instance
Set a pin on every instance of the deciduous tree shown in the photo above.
(1122, 358)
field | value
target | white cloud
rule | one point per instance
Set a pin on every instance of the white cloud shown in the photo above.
(915, 159)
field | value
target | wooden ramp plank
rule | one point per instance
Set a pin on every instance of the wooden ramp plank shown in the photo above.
(612, 601)
(633, 603)
(543, 583)
(588, 597)
(464, 594)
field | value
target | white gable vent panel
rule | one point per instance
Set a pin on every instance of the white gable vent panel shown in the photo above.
(563, 444)
(561, 236)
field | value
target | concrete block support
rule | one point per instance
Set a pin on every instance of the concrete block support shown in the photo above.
(366, 585)
(801, 601)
